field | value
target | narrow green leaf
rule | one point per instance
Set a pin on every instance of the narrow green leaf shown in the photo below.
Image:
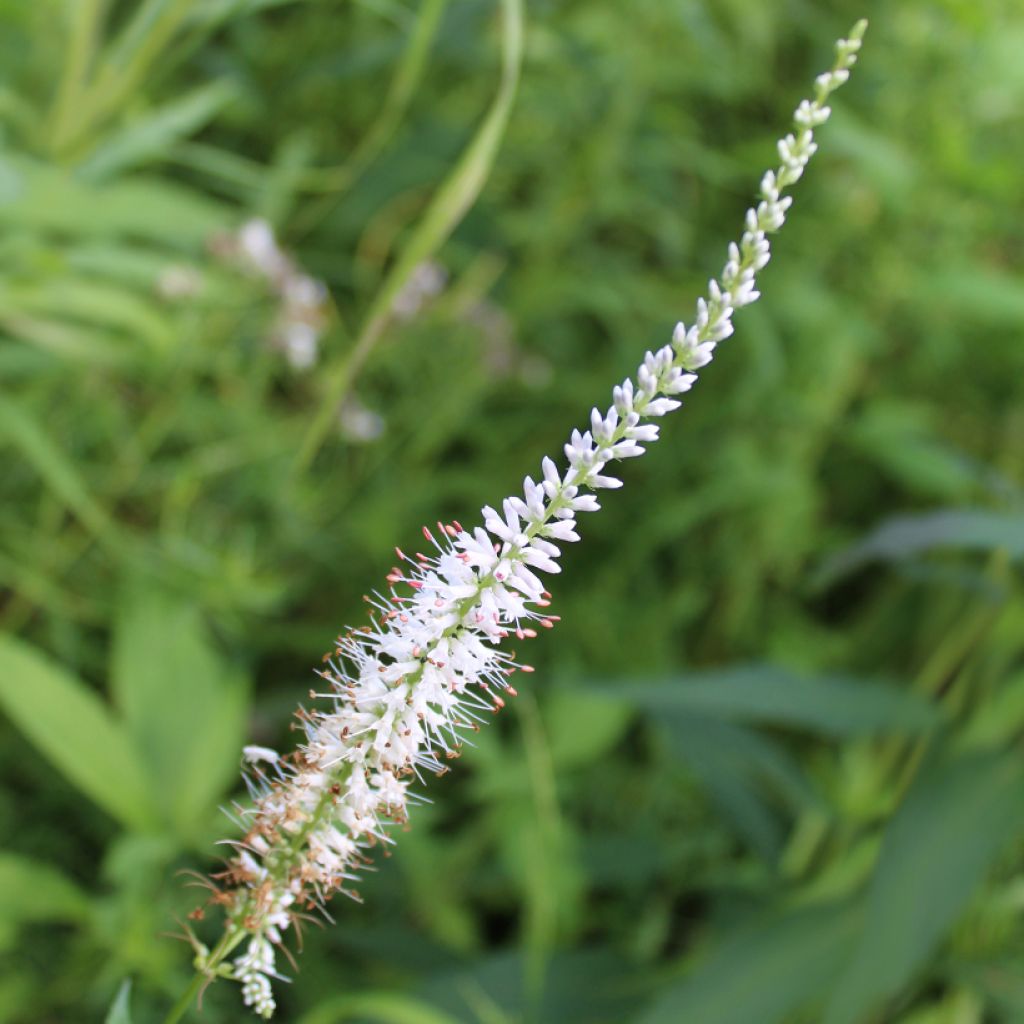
(763, 974)
(56, 469)
(453, 199)
(744, 773)
(402, 89)
(71, 727)
(120, 1010)
(767, 694)
(957, 816)
(282, 178)
(400, 93)
(30, 891)
(88, 300)
(122, 66)
(49, 198)
(69, 342)
(184, 706)
(461, 188)
(149, 137)
(906, 536)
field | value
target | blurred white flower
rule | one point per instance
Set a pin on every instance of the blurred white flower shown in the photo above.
(258, 249)
(178, 281)
(300, 341)
(359, 423)
(425, 282)
(301, 314)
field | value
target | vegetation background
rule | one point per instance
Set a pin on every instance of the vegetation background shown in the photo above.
(770, 766)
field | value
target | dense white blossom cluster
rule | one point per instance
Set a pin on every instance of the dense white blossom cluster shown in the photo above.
(400, 694)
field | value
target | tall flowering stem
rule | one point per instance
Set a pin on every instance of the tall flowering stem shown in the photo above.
(400, 694)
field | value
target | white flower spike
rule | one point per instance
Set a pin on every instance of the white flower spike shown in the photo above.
(400, 694)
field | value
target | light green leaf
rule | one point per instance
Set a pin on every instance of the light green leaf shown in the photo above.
(30, 891)
(957, 816)
(138, 267)
(96, 302)
(582, 725)
(763, 974)
(50, 198)
(70, 342)
(149, 137)
(184, 706)
(998, 718)
(72, 727)
(120, 1010)
(984, 292)
(767, 694)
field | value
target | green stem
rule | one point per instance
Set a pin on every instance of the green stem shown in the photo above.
(180, 1008)
(207, 968)
(452, 200)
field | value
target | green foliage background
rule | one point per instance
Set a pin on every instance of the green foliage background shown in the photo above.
(770, 766)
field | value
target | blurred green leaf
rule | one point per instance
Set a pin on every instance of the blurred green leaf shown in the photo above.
(120, 1010)
(96, 302)
(49, 198)
(59, 473)
(74, 729)
(997, 719)
(30, 891)
(402, 89)
(183, 704)
(906, 536)
(744, 773)
(282, 178)
(988, 294)
(899, 438)
(764, 973)
(592, 985)
(70, 342)
(957, 816)
(148, 137)
(582, 725)
(832, 705)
